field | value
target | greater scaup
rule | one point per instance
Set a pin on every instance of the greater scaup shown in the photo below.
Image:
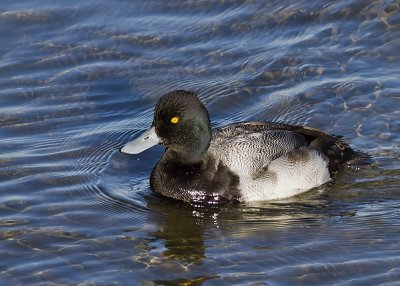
(247, 161)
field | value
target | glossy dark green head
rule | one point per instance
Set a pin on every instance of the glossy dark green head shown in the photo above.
(180, 123)
(183, 125)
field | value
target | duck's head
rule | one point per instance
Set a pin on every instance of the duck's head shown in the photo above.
(181, 123)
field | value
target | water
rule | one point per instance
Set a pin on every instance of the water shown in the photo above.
(78, 79)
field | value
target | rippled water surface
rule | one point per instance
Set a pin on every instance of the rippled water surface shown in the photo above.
(78, 79)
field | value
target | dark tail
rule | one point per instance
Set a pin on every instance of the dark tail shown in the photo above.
(336, 149)
(360, 159)
(340, 153)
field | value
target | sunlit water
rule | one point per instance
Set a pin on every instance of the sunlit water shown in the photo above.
(78, 79)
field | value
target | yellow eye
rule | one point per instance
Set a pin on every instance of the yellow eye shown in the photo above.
(175, 119)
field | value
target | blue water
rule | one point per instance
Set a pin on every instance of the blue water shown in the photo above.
(78, 79)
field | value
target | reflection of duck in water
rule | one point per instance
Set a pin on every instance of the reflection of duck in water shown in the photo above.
(249, 161)
(180, 232)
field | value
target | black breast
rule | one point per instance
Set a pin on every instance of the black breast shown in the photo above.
(204, 182)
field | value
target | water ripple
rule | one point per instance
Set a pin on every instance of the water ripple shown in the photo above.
(79, 80)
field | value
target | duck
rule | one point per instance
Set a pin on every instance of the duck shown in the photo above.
(239, 162)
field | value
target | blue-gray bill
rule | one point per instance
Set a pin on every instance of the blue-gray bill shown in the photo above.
(145, 141)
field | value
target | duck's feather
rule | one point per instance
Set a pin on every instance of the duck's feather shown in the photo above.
(254, 161)
(335, 148)
(277, 160)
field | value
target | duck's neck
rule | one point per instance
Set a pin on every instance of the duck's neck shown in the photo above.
(185, 158)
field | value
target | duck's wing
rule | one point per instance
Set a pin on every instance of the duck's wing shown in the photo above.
(250, 148)
(333, 147)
